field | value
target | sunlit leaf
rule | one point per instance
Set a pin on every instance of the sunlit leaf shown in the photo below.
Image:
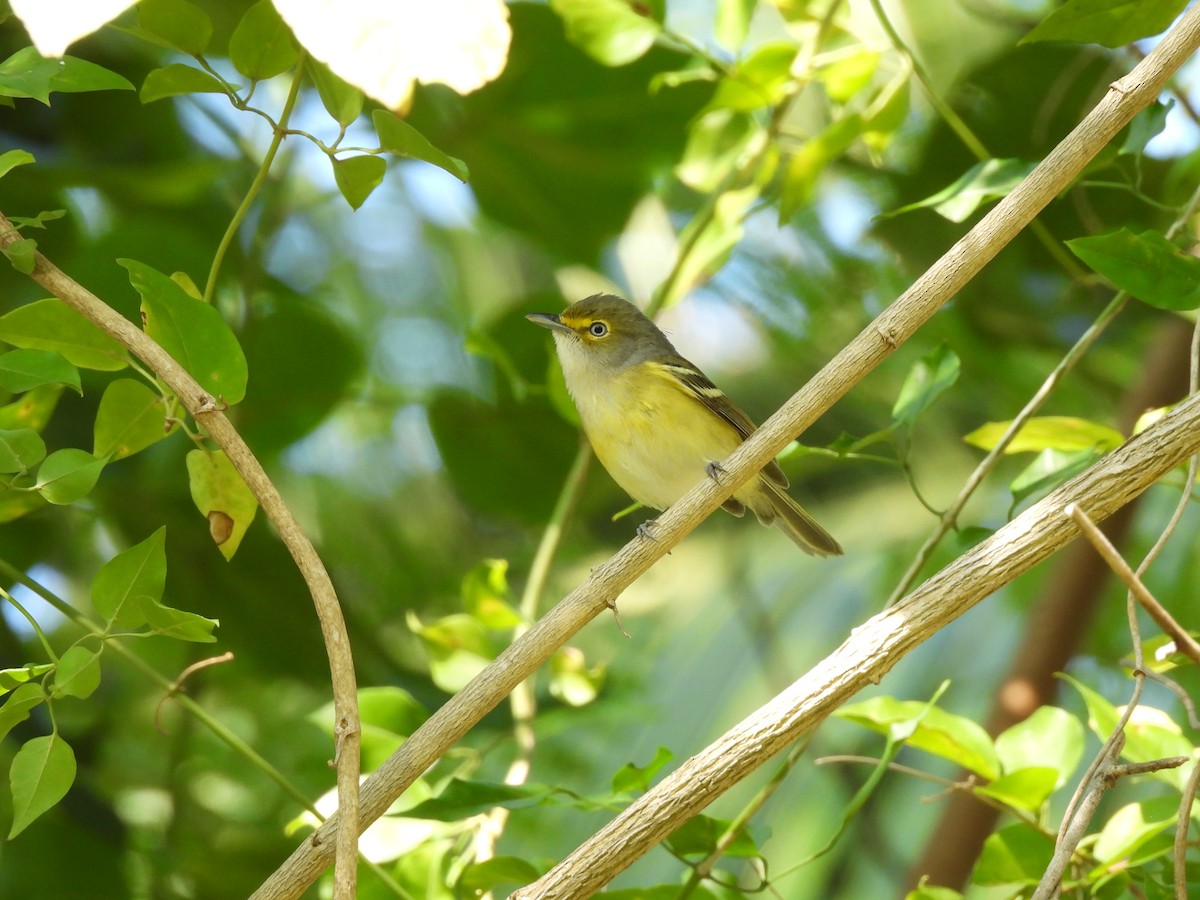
(733, 22)
(1024, 789)
(459, 648)
(938, 732)
(14, 678)
(1065, 433)
(341, 100)
(1049, 469)
(485, 595)
(1016, 854)
(571, 681)
(461, 799)
(20, 449)
(32, 410)
(633, 779)
(760, 80)
(812, 158)
(613, 32)
(848, 74)
(1131, 826)
(1049, 737)
(383, 48)
(717, 140)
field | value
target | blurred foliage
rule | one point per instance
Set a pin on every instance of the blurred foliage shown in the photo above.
(772, 174)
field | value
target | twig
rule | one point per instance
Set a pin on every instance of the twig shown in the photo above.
(205, 409)
(1181, 832)
(1183, 641)
(176, 686)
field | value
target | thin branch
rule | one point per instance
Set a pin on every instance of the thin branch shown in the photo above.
(1184, 642)
(1181, 832)
(207, 410)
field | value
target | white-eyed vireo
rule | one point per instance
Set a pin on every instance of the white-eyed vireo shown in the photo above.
(656, 422)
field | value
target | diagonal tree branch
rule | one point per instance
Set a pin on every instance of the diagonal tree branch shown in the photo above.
(896, 324)
(206, 410)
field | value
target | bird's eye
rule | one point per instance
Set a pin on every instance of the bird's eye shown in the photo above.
(598, 329)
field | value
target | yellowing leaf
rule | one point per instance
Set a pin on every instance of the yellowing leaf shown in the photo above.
(222, 496)
(1049, 433)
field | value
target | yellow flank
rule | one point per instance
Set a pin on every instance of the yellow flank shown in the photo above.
(626, 422)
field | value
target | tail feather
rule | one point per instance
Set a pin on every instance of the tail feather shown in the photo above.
(786, 515)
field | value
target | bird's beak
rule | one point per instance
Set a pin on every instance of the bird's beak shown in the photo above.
(549, 320)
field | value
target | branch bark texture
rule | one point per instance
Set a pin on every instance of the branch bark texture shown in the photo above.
(873, 345)
(205, 409)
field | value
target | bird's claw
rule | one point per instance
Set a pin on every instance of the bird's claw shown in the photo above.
(714, 470)
(646, 529)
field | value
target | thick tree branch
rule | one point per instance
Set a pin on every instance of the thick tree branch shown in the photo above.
(892, 327)
(206, 410)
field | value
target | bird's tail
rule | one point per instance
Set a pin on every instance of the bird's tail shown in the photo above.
(786, 515)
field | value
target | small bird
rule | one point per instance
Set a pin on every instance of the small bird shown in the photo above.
(656, 422)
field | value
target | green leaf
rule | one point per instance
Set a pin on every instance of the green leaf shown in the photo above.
(26, 74)
(191, 331)
(1147, 265)
(847, 75)
(1133, 825)
(1110, 23)
(943, 734)
(16, 708)
(341, 100)
(20, 449)
(931, 376)
(358, 176)
(485, 595)
(760, 80)
(23, 370)
(14, 678)
(458, 648)
(1023, 789)
(1066, 433)
(78, 673)
(1049, 469)
(222, 497)
(42, 772)
(812, 158)
(262, 46)
(68, 475)
(33, 410)
(980, 184)
(52, 325)
(21, 254)
(176, 79)
(38, 221)
(612, 32)
(1016, 854)
(124, 584)
(461, 799)
(571, 681)
(717, 237)
(177, 23)
(397, 136)
(1146, 125)
(10, 159)
(1049, 737)
(483, 877)
(631, 779)
(177, 623)
(131, 417)
(717, 140)
(698, 836)
(733, 22)
(388, 716)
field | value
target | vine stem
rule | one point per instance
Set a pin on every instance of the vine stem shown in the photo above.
(279, 131)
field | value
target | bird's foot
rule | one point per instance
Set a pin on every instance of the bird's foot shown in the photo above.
(646, 529)
(714, 470)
